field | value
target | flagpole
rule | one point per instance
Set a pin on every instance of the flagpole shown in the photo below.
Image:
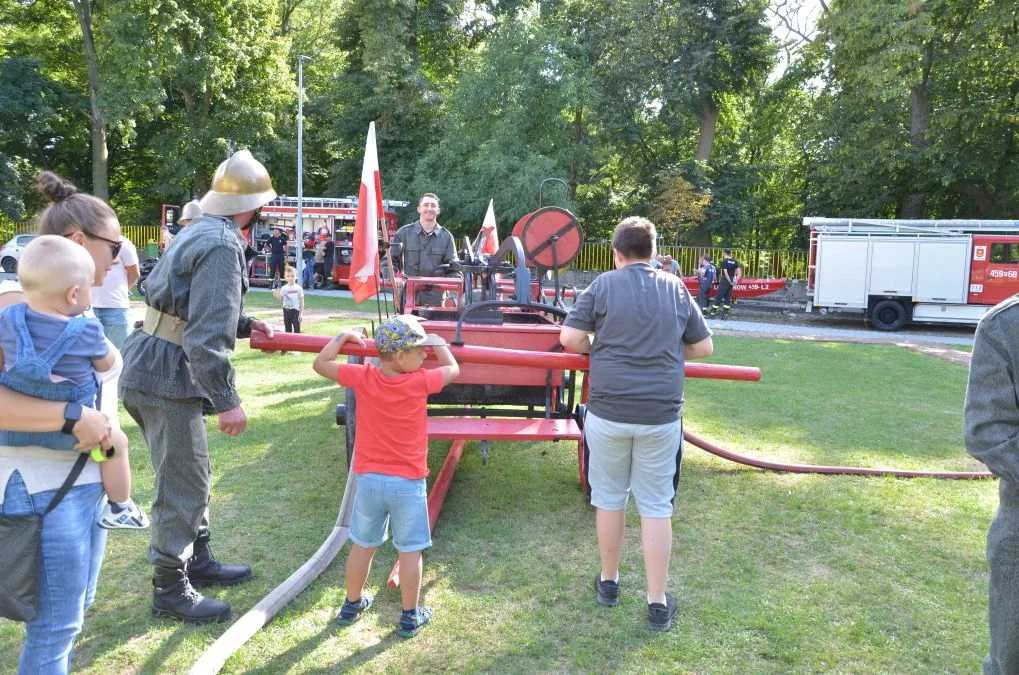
(299, 248)
(389, 258)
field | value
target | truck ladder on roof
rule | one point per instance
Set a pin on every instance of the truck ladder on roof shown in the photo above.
(879, 226)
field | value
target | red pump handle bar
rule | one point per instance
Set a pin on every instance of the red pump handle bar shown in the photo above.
(494, 356)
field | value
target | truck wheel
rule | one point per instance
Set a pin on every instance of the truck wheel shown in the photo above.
(889, 315)
(10, 265)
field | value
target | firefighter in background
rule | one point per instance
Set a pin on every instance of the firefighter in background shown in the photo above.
(177, 367)
(729, 273)
(191, 210)
(426, 246)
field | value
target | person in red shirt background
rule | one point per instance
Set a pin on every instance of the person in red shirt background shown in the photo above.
(390, 456)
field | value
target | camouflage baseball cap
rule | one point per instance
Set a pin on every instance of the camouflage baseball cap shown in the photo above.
(402, 333)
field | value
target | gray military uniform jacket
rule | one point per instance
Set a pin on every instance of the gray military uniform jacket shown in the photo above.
(422, 252)
(201, 279)
(992, 436)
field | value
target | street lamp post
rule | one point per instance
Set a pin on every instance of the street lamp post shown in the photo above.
(299, 261)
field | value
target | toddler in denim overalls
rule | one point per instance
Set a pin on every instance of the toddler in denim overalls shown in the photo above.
(49, 350)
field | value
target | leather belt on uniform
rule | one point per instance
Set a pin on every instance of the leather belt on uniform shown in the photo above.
(163, 326)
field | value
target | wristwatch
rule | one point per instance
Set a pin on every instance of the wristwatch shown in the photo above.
(72, 413)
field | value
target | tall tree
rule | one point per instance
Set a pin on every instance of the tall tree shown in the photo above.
(222, 81)
(908, 88)
(400, 55)
(97, 115)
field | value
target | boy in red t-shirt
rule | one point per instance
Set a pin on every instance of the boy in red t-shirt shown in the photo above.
(390, 456)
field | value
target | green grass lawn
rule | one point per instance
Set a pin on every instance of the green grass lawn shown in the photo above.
(774, 572)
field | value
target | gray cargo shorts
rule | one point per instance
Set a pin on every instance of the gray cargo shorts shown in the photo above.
(643, 459)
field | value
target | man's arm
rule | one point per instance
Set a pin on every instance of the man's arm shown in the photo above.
(450, 254)
(699, 350)
(214, 321)
(132, 275)
(575, 340)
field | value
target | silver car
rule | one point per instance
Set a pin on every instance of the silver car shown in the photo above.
(11, 252)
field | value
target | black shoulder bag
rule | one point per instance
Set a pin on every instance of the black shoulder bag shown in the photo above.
(21, 555)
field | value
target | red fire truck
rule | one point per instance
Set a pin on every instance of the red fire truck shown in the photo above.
(332, 216)
(897, 271)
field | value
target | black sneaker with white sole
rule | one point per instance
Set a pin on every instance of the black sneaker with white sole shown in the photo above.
(608, 591)
(659, 616)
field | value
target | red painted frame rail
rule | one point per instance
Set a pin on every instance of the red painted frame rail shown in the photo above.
(496, 356)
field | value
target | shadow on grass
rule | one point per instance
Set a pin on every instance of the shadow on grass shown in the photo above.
(285, 661)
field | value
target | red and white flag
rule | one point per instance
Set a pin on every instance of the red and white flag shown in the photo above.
(364, 262)
(491, 245)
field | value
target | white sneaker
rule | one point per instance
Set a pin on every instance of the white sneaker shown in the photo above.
(131, 518)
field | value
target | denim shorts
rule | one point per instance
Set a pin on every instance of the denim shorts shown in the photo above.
(641, 458)
(383, 501)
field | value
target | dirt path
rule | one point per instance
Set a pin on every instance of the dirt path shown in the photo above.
(309, 314)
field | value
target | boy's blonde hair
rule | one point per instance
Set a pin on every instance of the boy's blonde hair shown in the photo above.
(50, 265)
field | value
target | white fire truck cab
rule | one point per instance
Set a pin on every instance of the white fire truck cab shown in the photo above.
(897, 271)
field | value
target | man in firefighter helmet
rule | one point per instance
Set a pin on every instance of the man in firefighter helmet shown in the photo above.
(177, 367)
(191, 210)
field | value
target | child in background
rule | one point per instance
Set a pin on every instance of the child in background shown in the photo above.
(49, 350)
(390, 457)
(292, 297)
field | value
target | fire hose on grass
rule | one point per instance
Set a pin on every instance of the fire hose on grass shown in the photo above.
(245, 627)
(830, 470)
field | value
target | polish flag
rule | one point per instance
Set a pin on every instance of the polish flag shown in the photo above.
(491, 244)
(364, 263)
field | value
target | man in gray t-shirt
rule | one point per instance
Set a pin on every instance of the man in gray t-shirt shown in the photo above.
(645, 326)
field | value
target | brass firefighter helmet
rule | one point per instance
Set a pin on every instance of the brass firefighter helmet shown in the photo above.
(240, 184)
(190, 211)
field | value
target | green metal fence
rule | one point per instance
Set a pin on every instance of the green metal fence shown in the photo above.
(140, 235)
(757, 263)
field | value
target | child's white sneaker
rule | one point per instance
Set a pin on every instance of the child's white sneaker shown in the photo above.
(124, 516)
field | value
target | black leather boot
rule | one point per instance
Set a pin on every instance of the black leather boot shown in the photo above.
(204, 570)
(173, 596)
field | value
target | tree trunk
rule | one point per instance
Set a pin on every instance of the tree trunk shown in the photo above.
(578, 136)
(708, 119)
(97, 117)
(912, 205)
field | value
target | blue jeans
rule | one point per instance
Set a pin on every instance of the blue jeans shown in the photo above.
(114, 320)
(309, 274)
(72, 551)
